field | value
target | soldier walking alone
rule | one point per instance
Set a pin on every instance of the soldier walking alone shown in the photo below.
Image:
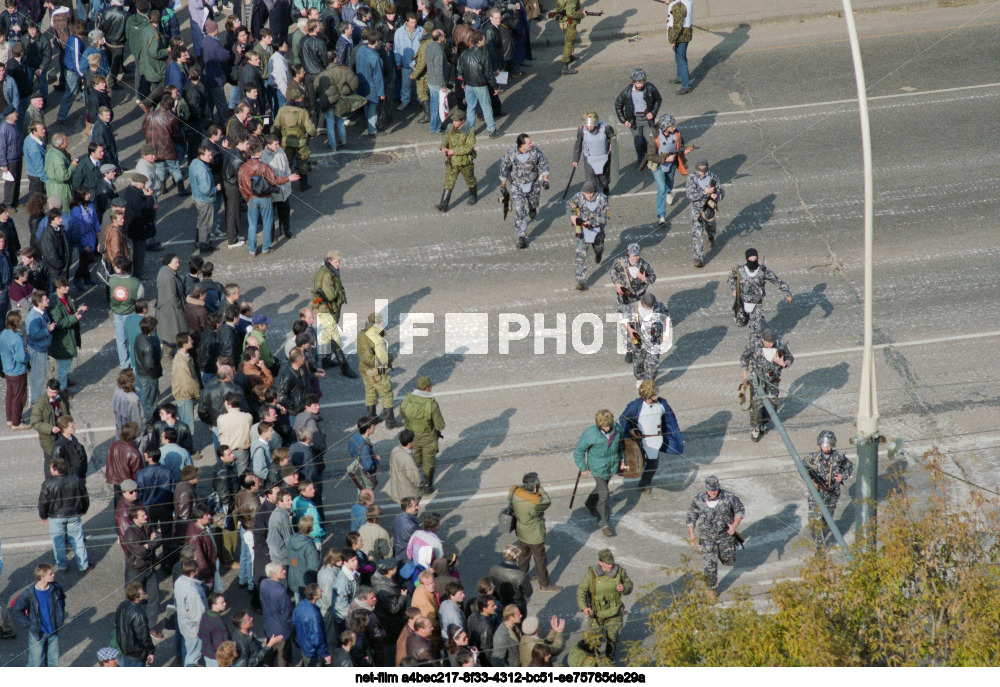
(588, 213)
(752, 279)
(525, 168)
(717, 514)
(828, 469)
(459, 149)
(704, 190)
(631, 276)
(422, 416)
(599, 597)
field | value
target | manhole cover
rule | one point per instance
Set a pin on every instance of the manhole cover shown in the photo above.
(375, 159)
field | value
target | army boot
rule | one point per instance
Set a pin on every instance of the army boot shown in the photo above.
(345, 369)
(372, 412)
(473, 195)
(445, 199)
(327, 361)
(390, 419)
(425, 117)
(567, 70)
(304, 182)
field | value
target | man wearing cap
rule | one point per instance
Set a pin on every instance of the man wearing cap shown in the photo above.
(59, 169)
(636, 107)
(647, 325)
(568, 19)
(752, 279)
(588, 215)
(665, 155)
(717, 513)
(828, 469)
(630, 275)
(594, 140)
(11, 157)
(329, 297)
(599, 597)
(650, 420)
(765, 357)
(34, 113)
(524, 166)
(296, 127)
(106, 191)
(107, 658)
(598, 453)
(459, 149)
(422, 415)
(139, 219)
(530, 502)
(704, 190)
(374, 363)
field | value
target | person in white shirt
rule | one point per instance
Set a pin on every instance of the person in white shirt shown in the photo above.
(650, 420)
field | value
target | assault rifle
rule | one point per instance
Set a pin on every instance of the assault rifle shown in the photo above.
(561, 14)
(505, 201)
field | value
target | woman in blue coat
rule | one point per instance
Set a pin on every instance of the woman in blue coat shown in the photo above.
(85, 227)
(650, 420)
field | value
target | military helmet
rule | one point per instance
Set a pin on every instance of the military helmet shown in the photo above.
(638, 75)
(591, 119)
(665, 121)
(827, 437)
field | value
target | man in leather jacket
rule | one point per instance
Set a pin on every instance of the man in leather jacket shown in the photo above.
(69, 449)
(113, 25)
(61, 503)
(476, 71)
(233, 158)
(132, 629)
(140, 543)
(293, 384)
(636, 107)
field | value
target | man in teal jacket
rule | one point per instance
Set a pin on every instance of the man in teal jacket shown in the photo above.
(598, 453)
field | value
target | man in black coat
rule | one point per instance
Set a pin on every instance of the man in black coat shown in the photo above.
(103, 134)
(55, 247)
(69, 449)
(87, 173)
(140, 219)
(132, 629)
(61, 503)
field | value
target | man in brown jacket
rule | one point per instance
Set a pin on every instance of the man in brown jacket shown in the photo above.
(259, 207)
(163, 132)
(418, 644)
(184, 379)
(124, 460)
(201, 538)
(115, 241)
(244, 508)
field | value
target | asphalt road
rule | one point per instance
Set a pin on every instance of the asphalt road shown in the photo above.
(773, 112)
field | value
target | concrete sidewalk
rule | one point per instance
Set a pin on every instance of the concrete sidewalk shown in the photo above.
(631, 17)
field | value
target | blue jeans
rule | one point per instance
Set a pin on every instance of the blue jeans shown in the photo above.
(234, 97)
(44, 647)
(192, 650)
(62, 530)
(62, 371)
(185, 412)
(480, 95)
(371, 114)
(276, 97)
(36, 378)
(336, 134)
(259, 209)
(72, 90)
(149, 394)
(120, 344)
(126, 662)
(246, 557)
(681, 58)
(406, 85)
(171, 166)
(664, 185)
(42, 83)
(435, 106)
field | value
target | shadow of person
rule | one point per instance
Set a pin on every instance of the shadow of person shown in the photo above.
(684, 303)
(647, 235)
(703, 440)
(689, 348)
(403, 304)
(747, 221)
(810, 387)
(764, 537)
(790, 314)
(721, 51)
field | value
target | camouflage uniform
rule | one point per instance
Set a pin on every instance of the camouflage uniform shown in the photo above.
(752, 292)
(825, 467)
(695, 192)
(656, 338)
(567, 23)
(714, 540)
(769, 372)
(374, 360)
(420, 69)
(621, 274)
(295, 127)
(422, 415)
(523, 171)
(595, 213)
(464, 145)
(598, 592)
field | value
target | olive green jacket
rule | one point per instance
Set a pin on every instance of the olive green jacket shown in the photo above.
(529, 514)
(329, 283)
(294, 125)
(421, 413)
(464, 145)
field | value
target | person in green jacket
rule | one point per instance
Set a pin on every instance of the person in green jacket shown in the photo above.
(530, 502)
(374, 363)
(258, 331)
(152, 63)
(134, 26)
(459, 150)
(587, 652)
(422, 416)
(66, 335)
(598, 453)
(329, 297)
(599, 597)
(59, 169)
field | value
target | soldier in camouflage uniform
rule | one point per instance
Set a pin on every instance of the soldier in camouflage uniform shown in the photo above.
(765, 357)
(828, 469)
(527, 170)
(329, 297)
(717, 514)
(588, 214)
(419, 73)
(647, 323)
(631, 276)
(459, 150)
(599, 597)
(374, 363)
(568, 20)
(422, 415)
(702, 186)
(296, 127)
(752, 279)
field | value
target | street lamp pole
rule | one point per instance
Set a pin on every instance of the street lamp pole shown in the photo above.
(867, 421)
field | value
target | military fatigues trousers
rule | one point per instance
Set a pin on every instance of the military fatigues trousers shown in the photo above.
(699, 225)
(569, 40)
(425, 449)
(762, 415)
(580, 255)
(611, 629)
(818, 528)
(327, 333)
(644, 364)
(451, 173)
(714, 550)
(756, 323)
(377, 386)
(522, 202)
(298, 158)
(623, 337)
